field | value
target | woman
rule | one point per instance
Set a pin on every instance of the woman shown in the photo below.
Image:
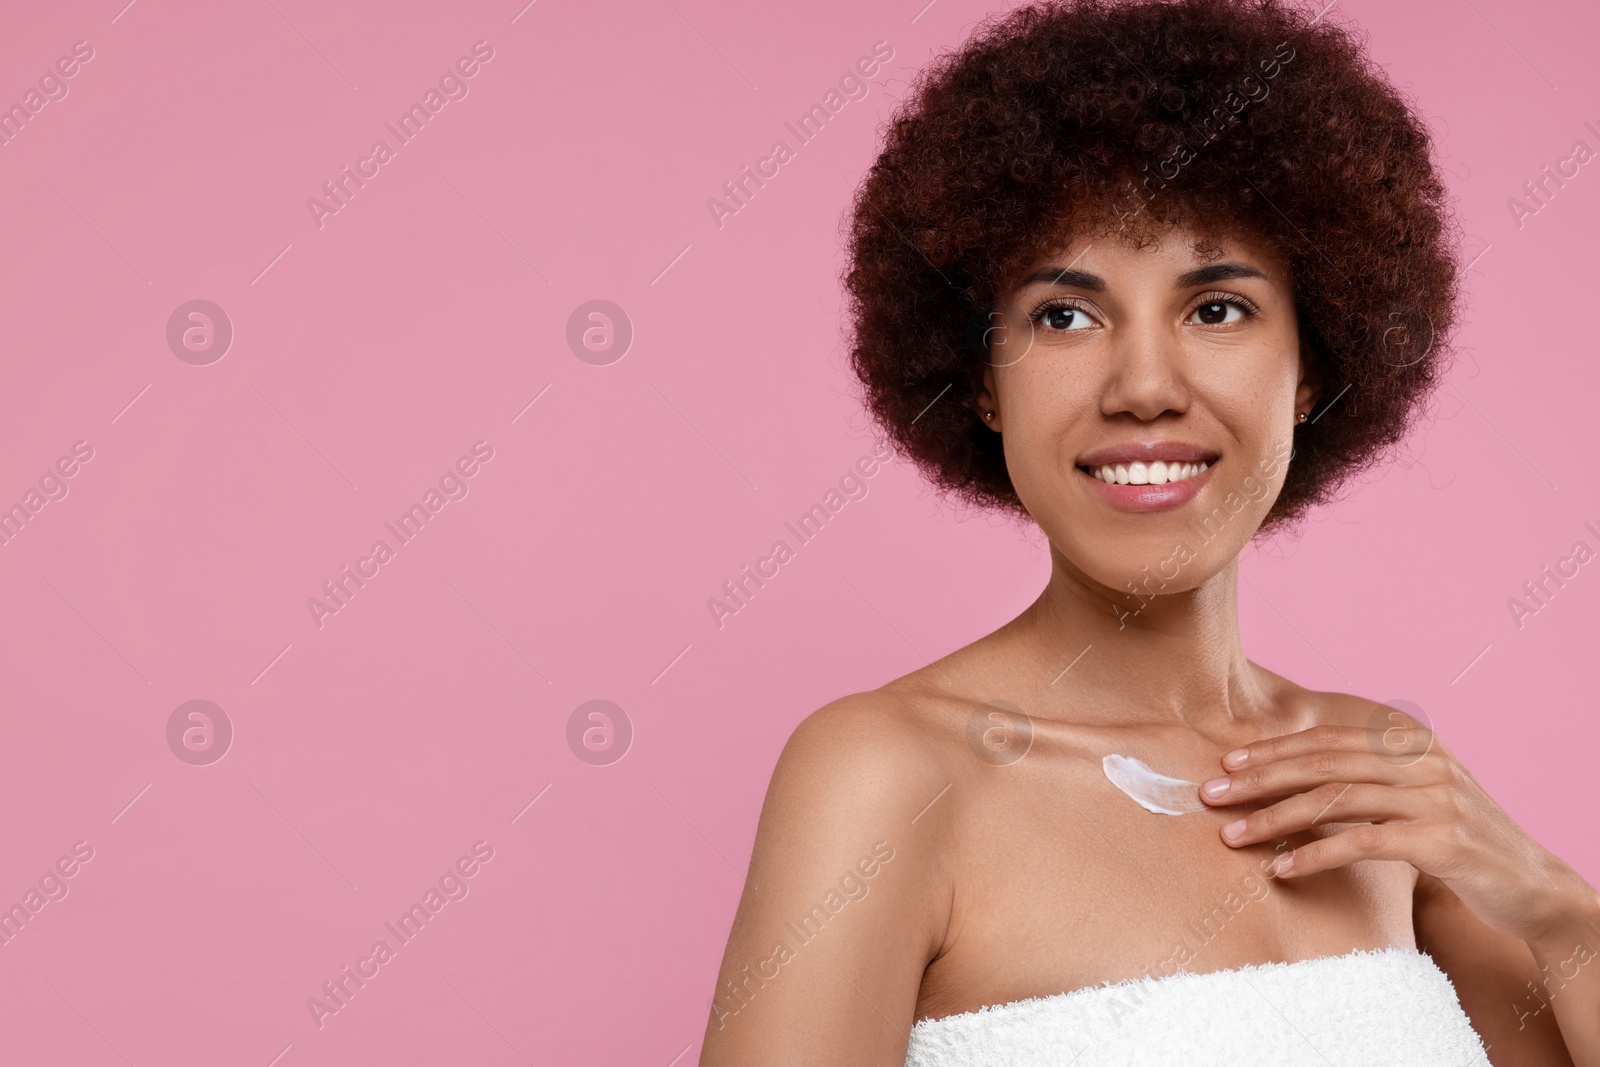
(1159, 276)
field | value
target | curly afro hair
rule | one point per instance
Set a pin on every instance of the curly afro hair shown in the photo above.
(1233, 116)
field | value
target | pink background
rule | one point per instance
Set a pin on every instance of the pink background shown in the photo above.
(369, 354)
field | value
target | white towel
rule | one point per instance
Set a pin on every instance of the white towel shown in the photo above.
(1364, 1009)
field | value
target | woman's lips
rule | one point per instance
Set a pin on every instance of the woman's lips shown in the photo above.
(1149, 497)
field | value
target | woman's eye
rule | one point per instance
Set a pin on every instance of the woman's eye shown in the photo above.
(1216, 312)
(1065, 318)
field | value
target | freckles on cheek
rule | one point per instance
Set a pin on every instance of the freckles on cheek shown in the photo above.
(1256, 406)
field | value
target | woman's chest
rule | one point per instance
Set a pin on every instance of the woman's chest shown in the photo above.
(1058, 896)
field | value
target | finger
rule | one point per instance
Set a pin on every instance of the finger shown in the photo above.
(1301, 774)
(1386, 841)
(1334, 802)
(1396, 739)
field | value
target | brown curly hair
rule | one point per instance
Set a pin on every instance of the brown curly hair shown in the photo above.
(1234, 116)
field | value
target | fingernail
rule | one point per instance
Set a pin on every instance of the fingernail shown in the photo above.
(1236, 757)
(1285, 862)
(1215, 788)
(1233, 829)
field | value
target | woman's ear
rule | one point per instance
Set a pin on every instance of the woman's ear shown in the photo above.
(985, 401)
(985, 398)
(1309, 390)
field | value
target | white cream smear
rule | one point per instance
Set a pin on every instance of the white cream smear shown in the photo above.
(1152, 791)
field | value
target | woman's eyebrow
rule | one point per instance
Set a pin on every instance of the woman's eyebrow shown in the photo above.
(1081, 279)
(1078, 279)
(1217, 272)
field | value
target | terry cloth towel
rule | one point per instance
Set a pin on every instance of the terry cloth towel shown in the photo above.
(1365, 1009)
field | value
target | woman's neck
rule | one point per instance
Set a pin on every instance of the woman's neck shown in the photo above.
(1157, 658)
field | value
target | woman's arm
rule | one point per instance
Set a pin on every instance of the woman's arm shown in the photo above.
(1514, 998)
(846, 900)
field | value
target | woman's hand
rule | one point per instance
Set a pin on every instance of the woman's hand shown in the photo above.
(1410, 800)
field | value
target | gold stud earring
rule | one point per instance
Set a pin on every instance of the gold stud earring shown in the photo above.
(1302, 416)
(988, 416)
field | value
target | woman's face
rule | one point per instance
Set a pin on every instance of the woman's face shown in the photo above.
(1132, 364)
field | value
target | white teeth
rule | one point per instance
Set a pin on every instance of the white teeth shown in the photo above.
(1157, 473)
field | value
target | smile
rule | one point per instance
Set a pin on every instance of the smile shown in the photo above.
(1157, 473)
(1150, 475)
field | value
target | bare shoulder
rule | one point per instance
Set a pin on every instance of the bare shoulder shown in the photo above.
(895, 721)
(1347, 709)
(870, 756)
(1332, 708)
(1400, 729)
(848, 889)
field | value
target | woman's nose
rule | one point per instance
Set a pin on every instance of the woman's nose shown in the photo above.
(1146, 375)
